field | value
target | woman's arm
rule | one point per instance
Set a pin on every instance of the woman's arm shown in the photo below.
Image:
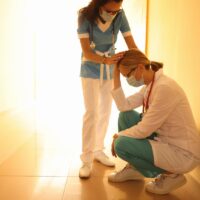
(116, 76)
(164, 102)
(90, 55)
(130, 42)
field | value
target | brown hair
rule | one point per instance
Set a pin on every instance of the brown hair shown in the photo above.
(134, 56)
(91, 12)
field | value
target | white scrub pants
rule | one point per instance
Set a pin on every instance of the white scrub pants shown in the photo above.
(98, 102)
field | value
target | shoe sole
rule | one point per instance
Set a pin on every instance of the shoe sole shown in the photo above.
(163, 193)
(135, 179)
(84, 177)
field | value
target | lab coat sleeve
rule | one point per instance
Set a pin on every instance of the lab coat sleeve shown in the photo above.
(126, 104)
(163, 103)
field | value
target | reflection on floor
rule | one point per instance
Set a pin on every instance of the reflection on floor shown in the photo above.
(46, 167)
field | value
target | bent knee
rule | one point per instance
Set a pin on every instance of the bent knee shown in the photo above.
(131, 116)
(120, 144)
(123, 115)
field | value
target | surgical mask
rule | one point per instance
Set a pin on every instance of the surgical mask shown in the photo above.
(135, 83)
(107, 17)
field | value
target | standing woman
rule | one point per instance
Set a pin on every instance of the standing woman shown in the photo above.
(98, 26)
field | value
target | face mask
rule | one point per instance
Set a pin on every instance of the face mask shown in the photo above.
(107, 17)
(133, 82)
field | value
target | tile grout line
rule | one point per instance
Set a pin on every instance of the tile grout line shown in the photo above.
(29, 176)
(63, 194)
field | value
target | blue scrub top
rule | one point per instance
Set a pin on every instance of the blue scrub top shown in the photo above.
(103, 43)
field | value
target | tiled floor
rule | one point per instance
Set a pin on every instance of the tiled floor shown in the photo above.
(46, 168)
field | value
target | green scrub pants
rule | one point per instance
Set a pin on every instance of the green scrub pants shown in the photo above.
(137, 152)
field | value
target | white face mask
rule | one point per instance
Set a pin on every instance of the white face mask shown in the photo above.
(107, 17)
(133, 82)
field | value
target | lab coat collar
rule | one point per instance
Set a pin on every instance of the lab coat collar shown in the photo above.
(158, 74)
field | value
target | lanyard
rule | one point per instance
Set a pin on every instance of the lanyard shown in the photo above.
(146, 105)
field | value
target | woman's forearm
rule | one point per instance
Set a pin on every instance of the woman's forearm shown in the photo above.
(117, 81)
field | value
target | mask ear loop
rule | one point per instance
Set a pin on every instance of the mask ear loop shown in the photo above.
(150, 66)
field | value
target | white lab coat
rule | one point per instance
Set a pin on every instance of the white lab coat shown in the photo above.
(177, 147)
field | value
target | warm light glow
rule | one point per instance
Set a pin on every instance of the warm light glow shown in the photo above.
(41, 62)
(57, 54)
(58, 89)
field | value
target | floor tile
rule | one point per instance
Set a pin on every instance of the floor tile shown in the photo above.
(30, 161)
(31, 188)
(98, 169)
(99, 188)
(46, 167)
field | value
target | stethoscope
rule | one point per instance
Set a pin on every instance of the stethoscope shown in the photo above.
(145, 106)
(93, 45)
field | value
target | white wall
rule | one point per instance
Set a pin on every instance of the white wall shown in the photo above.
(40, 57)
(16, 66)
(173, 38)
(16, 73)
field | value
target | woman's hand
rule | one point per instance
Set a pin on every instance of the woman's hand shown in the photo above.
(114, 59)
(113, 145)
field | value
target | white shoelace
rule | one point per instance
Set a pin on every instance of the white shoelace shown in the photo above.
(160, 179)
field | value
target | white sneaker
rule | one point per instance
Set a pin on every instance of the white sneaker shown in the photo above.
(102, 158)
(85, 170)
(164, 184)
(126, 174)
